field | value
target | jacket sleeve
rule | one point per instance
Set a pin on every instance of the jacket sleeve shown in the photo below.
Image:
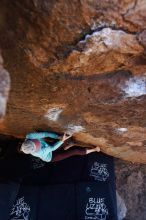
(39, 135)
(56, 145)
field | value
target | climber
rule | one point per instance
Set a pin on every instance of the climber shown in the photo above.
(35, 145)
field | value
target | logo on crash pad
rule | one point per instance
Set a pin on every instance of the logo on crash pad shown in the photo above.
(99, 171)
(96, 209)
(20, 210)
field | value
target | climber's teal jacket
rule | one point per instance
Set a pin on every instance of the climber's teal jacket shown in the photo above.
(45, 153)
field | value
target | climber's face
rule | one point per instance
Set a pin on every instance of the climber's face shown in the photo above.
(28, 147)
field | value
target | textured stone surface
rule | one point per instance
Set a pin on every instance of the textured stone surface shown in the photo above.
(131, 186)
(4, 89)
(103, 51)
(78, 66)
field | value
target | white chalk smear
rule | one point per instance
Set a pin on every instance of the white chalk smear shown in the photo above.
(3, 102)
(135, 86)
(71, 129)
(53, 113)
(121, 207)
(111, 38)
(121, 130)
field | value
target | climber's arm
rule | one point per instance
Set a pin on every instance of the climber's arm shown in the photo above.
(39, 135)
(56, 145)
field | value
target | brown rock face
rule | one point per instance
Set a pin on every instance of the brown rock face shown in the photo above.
(80, 67)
